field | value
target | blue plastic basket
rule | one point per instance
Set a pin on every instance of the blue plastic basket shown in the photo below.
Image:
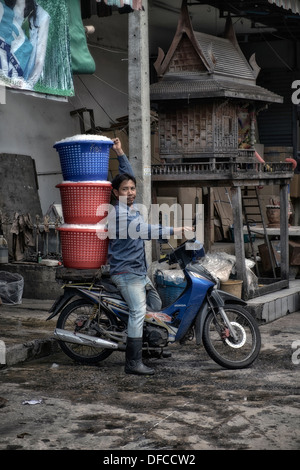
(168, 291)
(86, 160)
(169, 294)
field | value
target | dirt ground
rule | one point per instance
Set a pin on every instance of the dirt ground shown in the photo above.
(189, 404)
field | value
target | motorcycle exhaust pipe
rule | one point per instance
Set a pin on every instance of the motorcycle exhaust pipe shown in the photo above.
(82, 339)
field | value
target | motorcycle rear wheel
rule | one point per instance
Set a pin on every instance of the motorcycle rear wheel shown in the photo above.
(222, 348)
(68, 319)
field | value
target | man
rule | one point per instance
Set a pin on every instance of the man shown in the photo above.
(127, 231)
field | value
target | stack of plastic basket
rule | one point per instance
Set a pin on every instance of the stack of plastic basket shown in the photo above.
(85, 196)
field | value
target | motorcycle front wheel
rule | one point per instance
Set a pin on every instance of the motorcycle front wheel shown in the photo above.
(75, 317)
(232, 353)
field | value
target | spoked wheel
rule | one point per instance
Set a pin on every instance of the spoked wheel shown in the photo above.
(84, 317)
(232, 352)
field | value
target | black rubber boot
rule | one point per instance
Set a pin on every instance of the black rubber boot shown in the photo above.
(134, 363)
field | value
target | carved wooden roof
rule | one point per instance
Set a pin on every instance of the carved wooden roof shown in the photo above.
(200, 65)
(211, 88)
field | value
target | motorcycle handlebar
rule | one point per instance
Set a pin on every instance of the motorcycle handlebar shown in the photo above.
(183, 253)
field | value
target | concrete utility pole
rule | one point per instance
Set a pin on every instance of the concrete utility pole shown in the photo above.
(139, 106)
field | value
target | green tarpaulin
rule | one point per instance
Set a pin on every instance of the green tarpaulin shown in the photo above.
(82, 61)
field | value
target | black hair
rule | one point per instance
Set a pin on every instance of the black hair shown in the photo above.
(29, 9)
(118, 179)
(10, 3)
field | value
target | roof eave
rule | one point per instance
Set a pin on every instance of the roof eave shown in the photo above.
(186, 95)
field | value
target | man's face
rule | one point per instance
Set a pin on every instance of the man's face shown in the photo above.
(127, 190)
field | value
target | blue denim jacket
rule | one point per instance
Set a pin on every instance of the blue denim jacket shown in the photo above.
(127, 231)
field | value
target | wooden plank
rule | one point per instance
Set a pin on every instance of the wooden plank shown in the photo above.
(284, 232)
(269, 288)
(19, 187)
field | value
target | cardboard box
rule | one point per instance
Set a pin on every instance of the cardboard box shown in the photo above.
(163, 191)
(295, 186)
(222, 204)
(294, 253)
(189, 196)
(265, 255)
(167, 218)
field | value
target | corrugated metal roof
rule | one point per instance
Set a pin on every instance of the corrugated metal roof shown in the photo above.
(276, 123)
(293, 5)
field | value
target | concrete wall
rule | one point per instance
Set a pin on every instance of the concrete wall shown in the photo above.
(31, 125)
(39, 281)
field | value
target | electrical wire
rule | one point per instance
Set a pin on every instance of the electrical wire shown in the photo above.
(100, 106)
(106, 49)
(111, 86)
(276, 53)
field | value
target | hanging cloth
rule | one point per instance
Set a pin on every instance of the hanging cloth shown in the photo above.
(134, 4)
(82, 61)
(103, 8)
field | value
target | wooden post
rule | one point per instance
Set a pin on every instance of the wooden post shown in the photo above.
(284, 232)
(207, 202)
(239, 238)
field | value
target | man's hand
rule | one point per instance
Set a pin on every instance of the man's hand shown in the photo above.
(117, 147)
(183, 230)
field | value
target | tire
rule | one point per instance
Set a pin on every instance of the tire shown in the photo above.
(81, 310)
(222, 348)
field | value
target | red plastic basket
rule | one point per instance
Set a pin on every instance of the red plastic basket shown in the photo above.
(84, 248)
(80, 201)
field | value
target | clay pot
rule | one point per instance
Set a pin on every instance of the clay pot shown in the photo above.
(273, 215)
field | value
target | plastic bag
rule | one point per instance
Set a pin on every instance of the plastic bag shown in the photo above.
(170, 276)
(11, 288)
(220, 265)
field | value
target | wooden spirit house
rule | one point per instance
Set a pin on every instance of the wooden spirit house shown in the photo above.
(206, 98)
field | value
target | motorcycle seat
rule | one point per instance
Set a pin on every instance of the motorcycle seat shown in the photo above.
(108, 286)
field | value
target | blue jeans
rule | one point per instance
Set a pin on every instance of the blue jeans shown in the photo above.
(139, 293)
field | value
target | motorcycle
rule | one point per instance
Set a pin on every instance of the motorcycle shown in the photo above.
(92, 321)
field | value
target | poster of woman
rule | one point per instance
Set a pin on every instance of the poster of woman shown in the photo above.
(26, 44)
